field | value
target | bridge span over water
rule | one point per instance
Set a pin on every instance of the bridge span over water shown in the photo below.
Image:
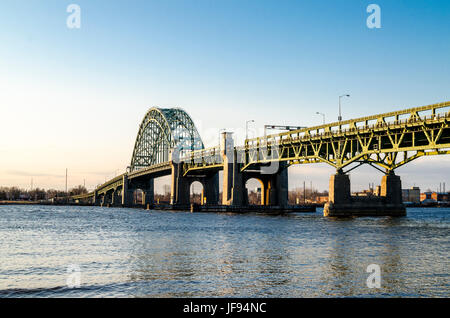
(168, 143)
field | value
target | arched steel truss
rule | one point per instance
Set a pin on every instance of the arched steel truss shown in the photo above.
(161, 131)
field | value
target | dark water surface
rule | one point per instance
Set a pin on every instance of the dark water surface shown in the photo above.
(138, 253)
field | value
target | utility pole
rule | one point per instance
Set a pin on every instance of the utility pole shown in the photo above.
(323, 116)
(340, 115)
(246, 128)
(67, 194)
(304, 193)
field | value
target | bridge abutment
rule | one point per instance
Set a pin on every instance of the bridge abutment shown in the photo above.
(343, 204)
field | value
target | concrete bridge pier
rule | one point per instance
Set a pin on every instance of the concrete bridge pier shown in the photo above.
(210, 184)
(180, 186)
(107, 199)
(127, 193)
(391, 188)
(274, 185)
(116, 199)
(148, 196)
(234, 191)
(343, 204)
(96, 198)
(278, 187)
(233, 183)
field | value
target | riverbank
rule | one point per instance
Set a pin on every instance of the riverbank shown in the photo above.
(307, 208)
(19, 203)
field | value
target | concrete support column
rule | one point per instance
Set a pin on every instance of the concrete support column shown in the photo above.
(227, 152)
(391, 188)
(107, 198)
(180, 186)
(116, 199)
(275, 187)
(268, 194)
(211, 189)
(96, 199)
(278, 187)
(282, 185)
(342, 204)
(127, 193)
(149, 193)
(339, 192)
(233, 185)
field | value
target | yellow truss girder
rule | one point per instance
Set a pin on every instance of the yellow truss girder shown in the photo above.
(377, 139)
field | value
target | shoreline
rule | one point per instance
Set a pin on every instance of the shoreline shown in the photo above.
(163, 206)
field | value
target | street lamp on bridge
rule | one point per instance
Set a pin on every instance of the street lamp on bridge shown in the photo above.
(323, 115)
(246, 127)
(340, 116)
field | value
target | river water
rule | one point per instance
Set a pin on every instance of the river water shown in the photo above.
(136, 253)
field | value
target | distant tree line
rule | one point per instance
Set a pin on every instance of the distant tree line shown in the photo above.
(18, 194)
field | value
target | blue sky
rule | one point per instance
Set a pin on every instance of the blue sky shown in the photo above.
(76, 97)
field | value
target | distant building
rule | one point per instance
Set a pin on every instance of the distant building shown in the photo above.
(364, 193)
(377, 191)
(322, 199)
(411, 195)
(440, 196)
(425, 196)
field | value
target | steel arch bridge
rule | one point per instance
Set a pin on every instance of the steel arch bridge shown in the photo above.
(161, 131)
(385, 141)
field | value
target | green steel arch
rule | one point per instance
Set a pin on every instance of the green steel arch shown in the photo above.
(161, 131)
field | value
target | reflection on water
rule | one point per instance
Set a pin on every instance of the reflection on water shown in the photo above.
(137, 253)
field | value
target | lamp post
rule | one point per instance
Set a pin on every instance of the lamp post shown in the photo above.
(340, 116)
(246, 127)
(323, 115)
(220, 131)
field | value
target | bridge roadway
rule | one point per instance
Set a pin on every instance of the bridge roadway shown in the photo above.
(385, 142)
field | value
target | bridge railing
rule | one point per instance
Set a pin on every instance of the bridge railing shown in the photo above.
(82, 196)
(109, 182)
(408, 116)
